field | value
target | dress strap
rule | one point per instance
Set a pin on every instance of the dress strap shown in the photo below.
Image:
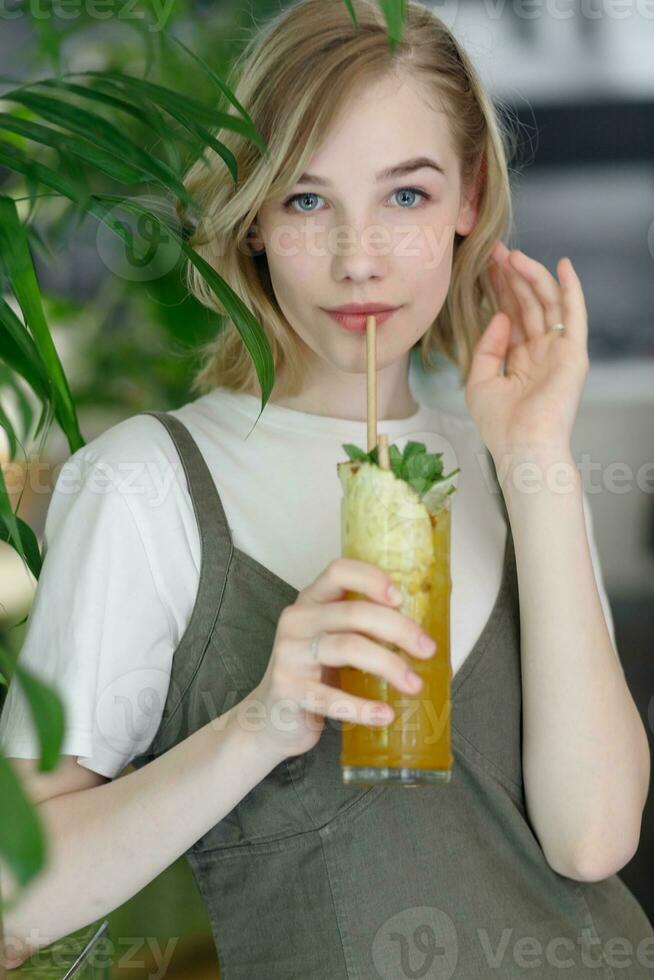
(216, 546)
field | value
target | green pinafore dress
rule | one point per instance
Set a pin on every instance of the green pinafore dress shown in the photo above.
(310, 879)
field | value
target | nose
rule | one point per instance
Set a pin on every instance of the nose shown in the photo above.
(360, 251)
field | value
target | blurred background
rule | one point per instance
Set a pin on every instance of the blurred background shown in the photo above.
(579, 75)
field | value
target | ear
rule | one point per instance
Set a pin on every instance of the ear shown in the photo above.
(254, 240)
(469, 209)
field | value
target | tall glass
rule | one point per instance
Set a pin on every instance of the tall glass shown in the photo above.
(411, 542)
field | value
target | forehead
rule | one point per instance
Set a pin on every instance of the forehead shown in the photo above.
(389, 121)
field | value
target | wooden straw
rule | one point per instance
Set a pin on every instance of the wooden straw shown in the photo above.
(371, 365)
(384, 459)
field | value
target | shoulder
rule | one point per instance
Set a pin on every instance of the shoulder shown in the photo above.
(144, 443)
(125, 469)
(139, 437)
(135, 456)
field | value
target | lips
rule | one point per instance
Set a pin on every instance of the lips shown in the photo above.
(357, 322)
(363, 309)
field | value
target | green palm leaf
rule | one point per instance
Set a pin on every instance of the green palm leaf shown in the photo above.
(103, 134)
(9, 380)
(22, 841)
(9, 523)
(22, 539)
(182, 107)
(18, 263)
(105, 162)
(348, 4)
(227, 92)
(144, 113)
(244, 321)
(394, 13)
(48, 714)
(19, 352)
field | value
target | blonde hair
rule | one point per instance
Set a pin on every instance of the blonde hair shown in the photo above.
(294, 77)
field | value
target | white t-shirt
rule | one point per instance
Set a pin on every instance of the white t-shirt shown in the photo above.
(122, 552)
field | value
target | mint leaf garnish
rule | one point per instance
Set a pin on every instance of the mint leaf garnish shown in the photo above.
(417, 467)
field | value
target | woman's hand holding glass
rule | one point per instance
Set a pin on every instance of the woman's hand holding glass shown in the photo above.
(298, 691)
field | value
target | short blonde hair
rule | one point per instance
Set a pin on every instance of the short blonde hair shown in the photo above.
(294, 77)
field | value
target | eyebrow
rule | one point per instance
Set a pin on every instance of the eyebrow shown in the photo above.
(399, 170)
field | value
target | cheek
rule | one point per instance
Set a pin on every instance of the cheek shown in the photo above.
(429, 266)
(291, 274)
(425, 249)
(287, 247)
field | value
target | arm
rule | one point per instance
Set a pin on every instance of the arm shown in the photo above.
(586, 760)
(106, 843)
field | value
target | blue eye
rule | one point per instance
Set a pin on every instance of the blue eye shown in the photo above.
(288, 204)
(412, 190)
(296, 197)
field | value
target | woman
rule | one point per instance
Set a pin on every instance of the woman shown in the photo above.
(219, 678)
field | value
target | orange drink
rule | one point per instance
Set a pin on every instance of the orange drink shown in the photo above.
(385, 522)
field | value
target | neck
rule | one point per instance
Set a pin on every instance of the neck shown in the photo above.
(344, 396)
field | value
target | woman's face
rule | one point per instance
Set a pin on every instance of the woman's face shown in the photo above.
(353, 237)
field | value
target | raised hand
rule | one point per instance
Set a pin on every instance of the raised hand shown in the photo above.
(532, 406)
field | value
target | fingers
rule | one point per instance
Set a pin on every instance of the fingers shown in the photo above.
(319, 609)
(507, 299)
(538, 291)
(359, 616)
(348, 575)
(574, 314)
(490, 352)
(529, 293)
(353, 650)
(324, 700)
